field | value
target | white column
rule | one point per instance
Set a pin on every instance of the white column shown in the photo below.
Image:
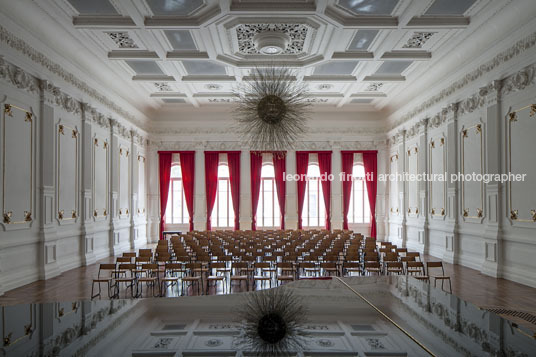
(382, 197)
(493, 214)
(245, 191)
(86, 214)
(336, 187)
(152, 186)
(200, 204)
(451, 235)
(423, 187)
(115, 235)
(291, 211)
(134, 180)
(402, 187)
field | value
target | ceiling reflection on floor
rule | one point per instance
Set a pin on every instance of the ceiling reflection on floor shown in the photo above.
(339, 322)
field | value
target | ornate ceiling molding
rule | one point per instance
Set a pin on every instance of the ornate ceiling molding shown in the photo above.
(54, 96)
(296, 32)
(18, 77)
(19, 45)
(349, 130)
(519, 80)
(518, 48)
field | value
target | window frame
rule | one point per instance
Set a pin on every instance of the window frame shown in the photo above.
(185, 217)
(306, 218)
(365, 206)
(215, 217)
(261, 203)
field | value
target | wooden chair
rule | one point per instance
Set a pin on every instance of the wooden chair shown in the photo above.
(395, 267)
(218, 267)
(442, 277)
(329, 269)
(171, 277)
(262, 275)
(151, 278)
(285, 268)
(129, 278)
(415, 268)
(373, 267)
(103, 279)
(351, 267)
(192, 277)
(237, 274)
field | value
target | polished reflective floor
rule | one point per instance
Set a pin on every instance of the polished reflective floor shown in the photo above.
(356, 316)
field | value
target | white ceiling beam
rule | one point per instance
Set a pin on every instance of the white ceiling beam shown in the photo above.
(369, 95)
(349, 22)
(308, 6)
(168, 95)
(406, 55)
(180, 55)
(103, 22)
(384, 78)
(132, 55)
(335, 78)
(362, 55)
(438, 22)
(153, 78)
(208, 78)
(166, 22)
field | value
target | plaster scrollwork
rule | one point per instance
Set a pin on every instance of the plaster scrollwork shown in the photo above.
(515, 50)
(18, 77)
(119, 128)
(95, 116)
(54, 96)
(417, 128)
(24, 80)
(518, 81)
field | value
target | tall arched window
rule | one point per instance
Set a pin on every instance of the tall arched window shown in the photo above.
(268, 207)
(223, 213)
(314, 210)
(176, 211)
(359, 210)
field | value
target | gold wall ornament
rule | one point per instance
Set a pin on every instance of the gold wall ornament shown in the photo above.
(533, 214)
(104, 213)
(464, 133)
(96, 142)
(7, 217)
(514, 214)
(432, 211)
(105, 145)
(126, 212)
(479, 212)
(442, 141)
(126, 154)
(409, 152)
(442, 211)
(75, 134)
(466, 212)
(7, 110)
(512, 116)
(432, 144)
(416, 149)
(27, 216)
(121, 151)
(60, 214)
(73, 214)
(28, 329)
(416, 210)
(478, 128)
(532, 110)
(28, 117)
(95, 213)
(409, 210)
(61, 130)
(120, 211)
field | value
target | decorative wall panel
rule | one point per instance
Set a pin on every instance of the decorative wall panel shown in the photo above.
(124, 181)
(67, 164)
(17, 165)
(437, 166)
(100, 177)
(393, 185)
(141, 185)
(413, 185)
(521, 125)
(472, 162)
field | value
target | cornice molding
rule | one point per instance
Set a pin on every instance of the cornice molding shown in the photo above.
(21, 46)
(54, 96)
(518, 81)
(515, 50)
(350, 130)
(18, 77)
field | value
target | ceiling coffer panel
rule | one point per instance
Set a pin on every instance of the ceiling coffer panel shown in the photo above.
(174, 7)
(449, 7)
(369, 7)
(93, 7)
(180, 40)
(145, 67)
(336, 68)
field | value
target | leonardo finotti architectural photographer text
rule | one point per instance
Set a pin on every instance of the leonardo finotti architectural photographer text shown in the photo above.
(407, 177)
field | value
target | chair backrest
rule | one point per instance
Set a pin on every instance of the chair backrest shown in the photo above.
(145, 252)
(435, 265)
(106, 267)
(394, 265)
(123, 260)
(217, 265)
(262, 265)
(150, 266)
(407, 259)
(129, 254)
(127, 267)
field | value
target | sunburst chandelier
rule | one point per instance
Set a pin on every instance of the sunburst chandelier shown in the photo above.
(271, 109)
(273, 323)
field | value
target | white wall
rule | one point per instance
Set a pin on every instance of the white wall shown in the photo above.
(71, 177)
(486, 226)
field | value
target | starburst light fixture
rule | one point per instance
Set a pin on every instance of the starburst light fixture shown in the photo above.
(271, 109)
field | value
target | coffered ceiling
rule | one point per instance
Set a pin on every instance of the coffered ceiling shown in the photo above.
(352, 53)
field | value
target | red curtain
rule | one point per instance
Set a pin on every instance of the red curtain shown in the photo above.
(233, 158)
(347, 167)
(255, 171)
(370, 162)
(164, 167)
(211, 182)
(324, 162)
(187, 159)
(302, 161)
(280, 163)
